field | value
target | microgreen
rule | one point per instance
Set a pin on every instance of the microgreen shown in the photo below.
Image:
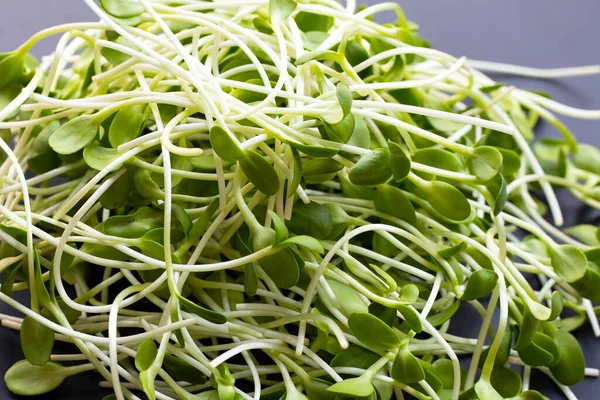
(74, 135)
(285, 201)
(27, 379)
(371, 169)
(126, 126)
(37, 341)
(259, 172)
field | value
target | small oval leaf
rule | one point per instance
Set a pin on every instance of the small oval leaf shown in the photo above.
(480, 283)
(74, 135)
(224, 145)
(569, 262)
(260, 172)
(37, 341)
(372, 332)
(371, 169)
(145, 355)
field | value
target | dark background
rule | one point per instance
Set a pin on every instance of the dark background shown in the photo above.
(537, 33)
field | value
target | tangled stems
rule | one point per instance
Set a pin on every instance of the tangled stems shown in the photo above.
(267, 199)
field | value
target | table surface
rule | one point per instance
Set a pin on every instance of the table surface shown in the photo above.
(533, 33)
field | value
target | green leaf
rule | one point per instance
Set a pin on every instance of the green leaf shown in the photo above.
(341, 131)
(281, 231)
(116, 57)
(98, 157)
(203, 222)
(355, 356)
(399, 162)
(122, 8)
(529, 395)
(506, 381)
(182, 217)
(570, 368)
(568, 261)
(310, 219)
(146, 186)
(485, 162)
(386, 314)
(355, 53)
(315, 151)
(305, 241)
(444, 315)
(550, 153)
(26, 379)
(480, 283)
(354, 387)
(360, 135)
(410, 315)
(158, 235)
(310, 22)
(589, 284)
(448, 201)
(586, 158)
(371, 169)
(260, 172)
(37, 341)
(440, 124)
(12, 68)
(43, 295)
(344, 97)
(250, 279)
(127, 125)
(318, 55)
(585, 233)
(437, 158)
(279, 10)
(449, 252)
(223, 144)
(372, 332)
(209, 315)
(409, 293)
(406, 367)
(392, 201)
(557, 304)
(282, 267)
(182, 371)
(318, 170)
(135, 225)
(527, 330)
(74, 135)
(348, 298)
(7, 94)
(294, 183)
(317, 389)
(71, 314)
(503, 351)
(145, 355)
(155, 250)
(43, 162)
(511, 162)
(40, 144)
(541, 351)
(8, 280)
(116, 195)
(491, 88)
(497, 188)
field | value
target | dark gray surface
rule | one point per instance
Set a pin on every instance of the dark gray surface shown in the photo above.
(540, 33)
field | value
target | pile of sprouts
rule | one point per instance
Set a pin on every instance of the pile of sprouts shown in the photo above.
(253, 199)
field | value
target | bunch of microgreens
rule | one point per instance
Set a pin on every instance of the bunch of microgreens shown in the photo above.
(245, 199)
